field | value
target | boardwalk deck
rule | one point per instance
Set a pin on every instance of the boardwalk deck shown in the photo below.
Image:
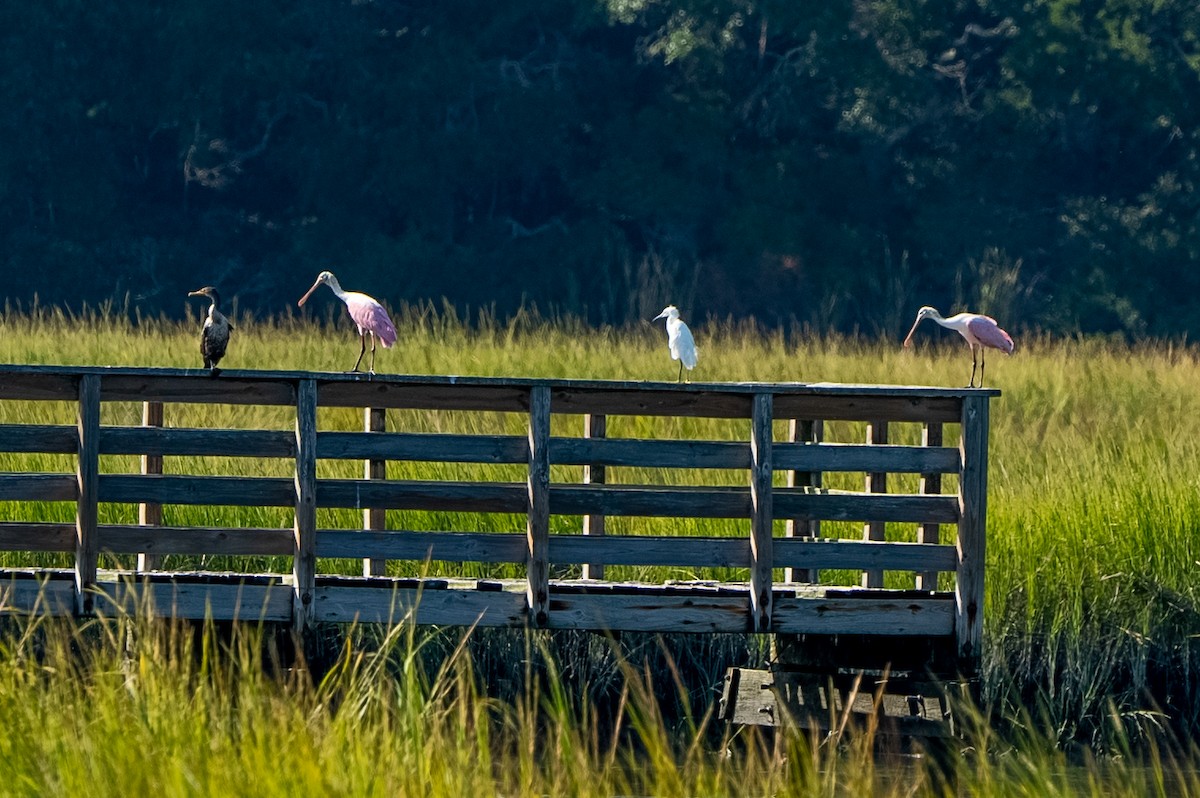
(601, 482)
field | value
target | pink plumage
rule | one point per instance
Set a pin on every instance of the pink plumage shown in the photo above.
(978, 331)
(369, 316)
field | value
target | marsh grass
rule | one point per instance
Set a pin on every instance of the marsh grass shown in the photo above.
(1093, 600)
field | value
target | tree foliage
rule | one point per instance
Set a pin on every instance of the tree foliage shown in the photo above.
(831, 164)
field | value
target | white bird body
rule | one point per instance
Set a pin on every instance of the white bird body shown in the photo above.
(980, 332)
(679, 339)
(370, 316)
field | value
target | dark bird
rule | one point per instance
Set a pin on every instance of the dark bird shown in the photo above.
(214, 338)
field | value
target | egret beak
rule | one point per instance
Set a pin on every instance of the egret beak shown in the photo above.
(908, 338)
(659, 316)
(304, 298)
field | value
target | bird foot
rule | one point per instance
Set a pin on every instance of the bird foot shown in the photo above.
(214, 372)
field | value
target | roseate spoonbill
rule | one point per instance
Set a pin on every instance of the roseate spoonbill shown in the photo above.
(981, 332)
(367, 313)
(214, 338)
(679, 339)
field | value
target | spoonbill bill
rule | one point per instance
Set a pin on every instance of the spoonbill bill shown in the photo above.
(679, 339)
(214, 338)
(366, 312)
(981, 332)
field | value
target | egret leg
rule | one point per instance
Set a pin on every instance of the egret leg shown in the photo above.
(680, 378)
(363, 338)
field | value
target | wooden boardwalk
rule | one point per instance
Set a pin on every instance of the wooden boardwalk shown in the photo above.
(777, 557)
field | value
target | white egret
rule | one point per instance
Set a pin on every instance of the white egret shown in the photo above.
(679, 339)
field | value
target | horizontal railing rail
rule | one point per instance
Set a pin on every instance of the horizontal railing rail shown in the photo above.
(650, 477)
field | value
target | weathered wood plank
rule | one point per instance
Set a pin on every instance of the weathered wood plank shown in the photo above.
(38, 438)
(197, 388)
(38, 536)
(600, 452)
(803, 433)
(467, 497)
(761, 513)
(230, 601)
(972, 530)
(538, 526)
(683, 552)
(33, 487)
(374, 467)
(873, 457)
(465, 395)
(86, 509)
(149, 513)
(158, 441)
(864, 555)
(426, 447)
(931, 483)
(595, 428)
(663, 400)
(160, 540)
(650, 613)
(41, 385)
(866, 406)
(876, 482)
(868, 616)
(420, 546)
(898, 507)
(387, 605)
(180, 489)
(45, 595)
(304, 557)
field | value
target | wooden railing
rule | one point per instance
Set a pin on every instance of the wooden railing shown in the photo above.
(780, 591)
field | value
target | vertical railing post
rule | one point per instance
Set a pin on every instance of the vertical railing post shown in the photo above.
(594, 426)
(931, 484)
(877, 433)
(538, 523)
(808, 432)
(972, 529)
(304, 555)
(150, 513)
(375, 518)
(88, 482)
(761, 513)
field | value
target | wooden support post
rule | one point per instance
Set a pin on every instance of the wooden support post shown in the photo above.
(538, 524)
(972, 531)
(594, 426)
(761, 514)
(88, 480)
(877, 433)
(931, 435)
(811, 432)
(150, 513)
(375, 518)
(304, 555)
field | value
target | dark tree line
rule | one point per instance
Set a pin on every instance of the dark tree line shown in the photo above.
(836, 164)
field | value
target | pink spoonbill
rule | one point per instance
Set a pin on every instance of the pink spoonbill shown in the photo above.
(367, 313)
(981, 332)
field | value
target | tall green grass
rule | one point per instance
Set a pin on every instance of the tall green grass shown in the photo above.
(1093, 609)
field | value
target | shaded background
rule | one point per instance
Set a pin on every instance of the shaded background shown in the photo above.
(833, 165)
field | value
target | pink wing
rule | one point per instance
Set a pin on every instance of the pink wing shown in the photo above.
(988, 332)
(370, 316)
